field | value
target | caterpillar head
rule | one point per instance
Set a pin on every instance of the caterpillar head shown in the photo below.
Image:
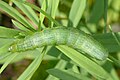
(12, 48)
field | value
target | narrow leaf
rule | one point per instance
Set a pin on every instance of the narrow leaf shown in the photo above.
(109, 41)
(43, 7)
(84, 62)
(27, 74)
(97, 11)
(8, 33)
(15, 14)
(60, 65)
(28, 11)
(105, 14)
(10, 58)
(76, 12)
(52, 8)
(67, 75)
(43, 12)
(20, 26)
(4, 41)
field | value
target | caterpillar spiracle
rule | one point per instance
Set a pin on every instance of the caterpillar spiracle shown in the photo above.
(71, 37)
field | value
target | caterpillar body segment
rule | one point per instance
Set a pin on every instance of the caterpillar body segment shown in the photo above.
(71, 37)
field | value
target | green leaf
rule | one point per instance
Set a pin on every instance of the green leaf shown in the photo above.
(60, 65)
(76, 12)
(97, 12)
(4, 41)
(32, 54)
(43, 12)
(52, 8)
(66, 74)
(114, 61)
(108, 41)
(42, 16)
(8, 33)
(28, 11)
(105, 14)
(5, 48)
(109, 68)
(9, 59)
(28, 73)
(84, 62)
(20, 26)
(15, 14)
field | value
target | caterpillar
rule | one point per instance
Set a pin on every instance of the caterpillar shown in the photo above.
(71, 37)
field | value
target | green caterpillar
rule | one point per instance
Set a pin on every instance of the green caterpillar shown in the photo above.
(71, 37)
